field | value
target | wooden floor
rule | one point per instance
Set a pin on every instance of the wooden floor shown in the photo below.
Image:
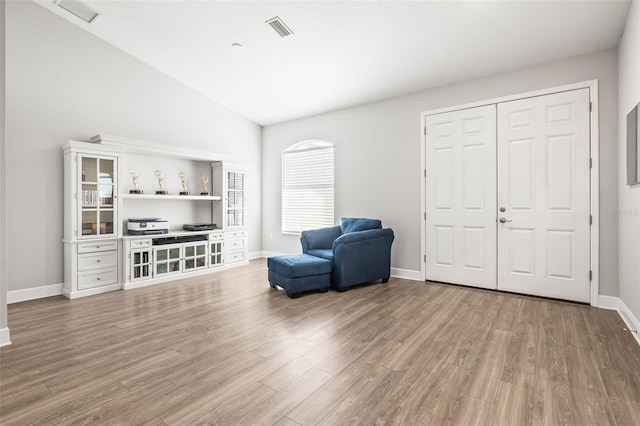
(228, 349)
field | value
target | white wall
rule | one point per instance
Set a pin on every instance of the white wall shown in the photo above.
(64, 83)
(3, 183)
(378, 155)
(629, 197)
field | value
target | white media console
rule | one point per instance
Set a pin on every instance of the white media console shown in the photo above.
(100, 256)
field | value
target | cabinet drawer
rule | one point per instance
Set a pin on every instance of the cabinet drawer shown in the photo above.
(99, 260)
(234, 256)
(136, 244)
(234, 234)
(234, 244)
(219, 236)
(97, 246)
(97, 278)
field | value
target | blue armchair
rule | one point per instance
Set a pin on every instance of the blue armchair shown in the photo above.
(359, 251)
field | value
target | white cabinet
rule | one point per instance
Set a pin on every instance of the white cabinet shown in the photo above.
(159, 258)
(216, 249)
(235, 198)
(235, 242)
(100, 195)
(140, 260)
(167, 260)
(195, 256)
(91, 244)
(233, 211)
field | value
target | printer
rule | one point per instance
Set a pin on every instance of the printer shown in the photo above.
(147, 226)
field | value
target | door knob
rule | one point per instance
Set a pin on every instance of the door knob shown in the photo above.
(503, 209)
(503, 220)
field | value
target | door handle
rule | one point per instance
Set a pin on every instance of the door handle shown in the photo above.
(503, 220)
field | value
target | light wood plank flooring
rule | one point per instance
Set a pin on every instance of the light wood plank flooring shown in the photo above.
(228, 349)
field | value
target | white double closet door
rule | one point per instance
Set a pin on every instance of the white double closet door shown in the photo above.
(508, 196)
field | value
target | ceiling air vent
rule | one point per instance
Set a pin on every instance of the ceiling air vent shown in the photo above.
(79, 9)
(279, 27)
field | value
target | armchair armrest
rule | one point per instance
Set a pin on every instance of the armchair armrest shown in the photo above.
(361, 257)
(359, 236)
(322, 238)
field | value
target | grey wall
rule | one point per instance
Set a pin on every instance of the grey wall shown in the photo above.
(63, 83)
(3, 176)
(629, 197)
(378, 155)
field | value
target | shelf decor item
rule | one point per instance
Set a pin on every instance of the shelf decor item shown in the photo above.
(134, 177)
(183, 181)
(160, 177)
(204, 180)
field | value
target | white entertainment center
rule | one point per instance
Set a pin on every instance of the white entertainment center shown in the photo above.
(100, 198)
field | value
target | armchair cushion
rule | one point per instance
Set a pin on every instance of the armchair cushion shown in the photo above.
(323, 253)
(354, 224)
(319, 238)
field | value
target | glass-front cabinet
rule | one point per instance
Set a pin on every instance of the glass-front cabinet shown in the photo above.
(216, 244)
(235, 198)
(195, 256)
(167, 260)
(141, 265)
(97, 196)
(91, 235)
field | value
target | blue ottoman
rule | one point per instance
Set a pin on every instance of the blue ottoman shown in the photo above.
(297, 273)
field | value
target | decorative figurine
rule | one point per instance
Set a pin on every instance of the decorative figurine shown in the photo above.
(204, 180)
(183, 181)
(134, 176)
(160, 177)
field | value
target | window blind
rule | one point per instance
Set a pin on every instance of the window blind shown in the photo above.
(307, 189)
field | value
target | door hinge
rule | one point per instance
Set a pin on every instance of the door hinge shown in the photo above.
(590, 162)
(425, 258)
(590, 219)
(590, 106)
(590, 275)
(425, 172)
(425, 130)
(425, 215)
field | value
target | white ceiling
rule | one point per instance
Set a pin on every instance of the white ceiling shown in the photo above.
(345, 53)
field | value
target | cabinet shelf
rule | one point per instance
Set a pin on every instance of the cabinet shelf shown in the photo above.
(172, 197)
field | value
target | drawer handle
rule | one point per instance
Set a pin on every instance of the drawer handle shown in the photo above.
(97, 246)
(98, 261)
(98, 279)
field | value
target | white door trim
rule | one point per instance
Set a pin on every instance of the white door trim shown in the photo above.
(592, 85)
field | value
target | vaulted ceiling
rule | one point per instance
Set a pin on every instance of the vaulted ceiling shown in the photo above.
(344, 53)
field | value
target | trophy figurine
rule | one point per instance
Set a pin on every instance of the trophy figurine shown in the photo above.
(160, 177)
(183, 181)
(203, 180)
(134, 176)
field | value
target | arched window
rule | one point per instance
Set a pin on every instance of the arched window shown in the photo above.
(307, 186)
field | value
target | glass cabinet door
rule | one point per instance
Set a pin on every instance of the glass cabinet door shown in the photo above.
(195, 256)
(96, 196)
(215, 253)
(141, 265)
(167, 259)
(235, 198)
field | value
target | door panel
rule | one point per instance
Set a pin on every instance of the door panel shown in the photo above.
(543, 184)
(461, 197)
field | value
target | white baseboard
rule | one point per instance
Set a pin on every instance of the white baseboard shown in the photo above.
(407, 274)
(5, 338)
(267, 254)
(609, 302)
(616, 304)
(16, 296)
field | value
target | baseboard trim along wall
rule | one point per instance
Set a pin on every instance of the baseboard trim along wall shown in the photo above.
(5, 338)
(616, 304)
(406, 274)
(16, 296)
